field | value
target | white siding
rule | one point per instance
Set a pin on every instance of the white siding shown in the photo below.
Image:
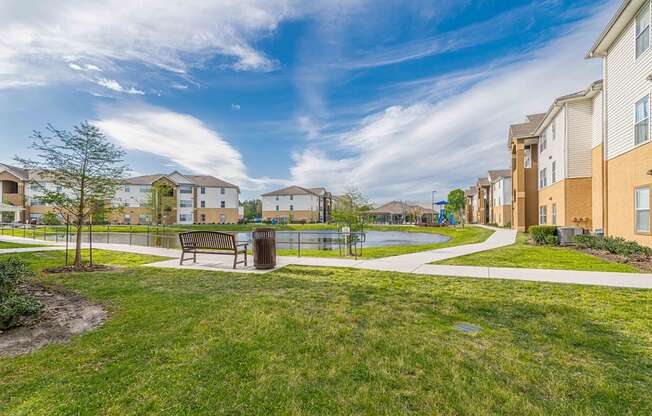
(579, 138)
(502, 192)
(213, 197)
(596, 122)
(555, 150)
(626, 83)
(299, 202)
(134, 198)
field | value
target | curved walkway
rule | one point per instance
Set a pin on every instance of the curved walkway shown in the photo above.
(417, 263)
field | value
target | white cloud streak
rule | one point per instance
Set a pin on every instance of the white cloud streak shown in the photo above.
(411, 148)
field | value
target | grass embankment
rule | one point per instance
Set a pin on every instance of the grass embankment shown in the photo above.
(8, 244)
(338, 341)
(524, 255)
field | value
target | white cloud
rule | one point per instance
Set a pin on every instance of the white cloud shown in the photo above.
(427, 142)
(42, 41)
(114, 85)
(182, 139)
(235, 107)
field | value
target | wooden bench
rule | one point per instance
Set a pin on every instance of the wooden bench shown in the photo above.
(211, 242)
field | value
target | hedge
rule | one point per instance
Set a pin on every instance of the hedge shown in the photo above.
(613, 245)
(544, 235)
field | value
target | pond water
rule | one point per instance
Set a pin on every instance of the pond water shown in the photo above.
(321, 239)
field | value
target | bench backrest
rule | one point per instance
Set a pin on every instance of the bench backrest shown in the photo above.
(207, 240)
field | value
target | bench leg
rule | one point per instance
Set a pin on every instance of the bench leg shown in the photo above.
(181, 259)
(245, 253)
(235, 260)
(194, 258)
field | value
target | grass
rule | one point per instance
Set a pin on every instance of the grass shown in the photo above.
(339, 341)
(8, 244)
(523, 255)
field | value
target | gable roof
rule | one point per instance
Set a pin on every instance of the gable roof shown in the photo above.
(625, 13)
(20, 173)
(399, 208)
(524, 130)
(497, 174)
(198, 180)
(210, 181)
(556, 106)
(293, 190)
(483, 182)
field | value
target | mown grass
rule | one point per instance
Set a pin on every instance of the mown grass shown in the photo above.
(339, 341)
(523, 255)
(9, 244)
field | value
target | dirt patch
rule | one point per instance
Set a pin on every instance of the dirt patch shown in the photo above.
(81, 269)
(642, 263)
(64, 314)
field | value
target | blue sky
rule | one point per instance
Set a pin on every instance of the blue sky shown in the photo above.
(398, 98)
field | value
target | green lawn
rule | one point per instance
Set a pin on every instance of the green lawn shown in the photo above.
(338, 341)
(523, 255)
(7, 244)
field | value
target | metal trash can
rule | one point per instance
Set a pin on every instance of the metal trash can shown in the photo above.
(264, 248)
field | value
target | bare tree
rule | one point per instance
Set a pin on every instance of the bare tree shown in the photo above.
(85, 167)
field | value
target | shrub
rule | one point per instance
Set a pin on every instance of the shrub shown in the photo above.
(14, 305)
(544, 235)
(613, 245)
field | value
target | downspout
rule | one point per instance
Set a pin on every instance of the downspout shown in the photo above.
(605, 144)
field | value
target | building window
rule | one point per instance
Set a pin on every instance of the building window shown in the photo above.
(642, 208)
(554, 214)
(202, 190)
(527, 157)
(36, 202)
(277, 208)
(143, 219)
(222, 191)
(642, 121)
(185, 190)
(222, 219)
(127, 219)
(543, 215)
(643, 31)
(543, 178)
(554, 172)
(202, 204)
(127, 188)
(544, 142)
(277, 198)
(291, 207)
(145, 189)
(203, 217)
(291, 197)
(185, 203)
(185, 218)
(222, 204)
(554, 130)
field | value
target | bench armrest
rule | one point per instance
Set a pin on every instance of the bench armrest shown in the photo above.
(242, 244)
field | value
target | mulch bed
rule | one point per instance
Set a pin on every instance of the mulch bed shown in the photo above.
(642, 263)
(82, 268)
(64, 314)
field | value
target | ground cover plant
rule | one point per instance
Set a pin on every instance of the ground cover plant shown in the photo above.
(14, 305)
(338, 341)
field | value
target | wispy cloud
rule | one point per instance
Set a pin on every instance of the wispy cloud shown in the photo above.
(182, 139)
(426, 141)
(114, 85)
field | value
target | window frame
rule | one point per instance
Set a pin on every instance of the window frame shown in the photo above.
(645, 120)
(636, 210)
(553, 214)
(222, 204)
(543, 215)
(638, 33)
(182, 201)
(553, 172)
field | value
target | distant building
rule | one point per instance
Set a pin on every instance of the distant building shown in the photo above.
(297, 203)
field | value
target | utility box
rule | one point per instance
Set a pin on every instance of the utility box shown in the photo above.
(567, 235)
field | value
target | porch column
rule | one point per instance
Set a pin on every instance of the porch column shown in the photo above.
(17, 216)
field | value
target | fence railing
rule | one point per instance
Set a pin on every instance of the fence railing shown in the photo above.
(347, 244)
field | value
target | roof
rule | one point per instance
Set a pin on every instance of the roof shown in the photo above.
(470, 192)
(399, 208)
(497, 174)
(483, 182)
(295, 190)
(199, 180)
(525, 130)
(625, 13)
(16, 171)
(590, 92)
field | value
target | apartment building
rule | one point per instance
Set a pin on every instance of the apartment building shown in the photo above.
(622, 156)
(297, 203)
(523, 144)
(176, 198)
(483, 206)
(565, 160)
(469, 211)
(500, 197)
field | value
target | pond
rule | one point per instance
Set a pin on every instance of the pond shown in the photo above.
(320, 239)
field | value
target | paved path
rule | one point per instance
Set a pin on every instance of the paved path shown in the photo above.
(408, 263)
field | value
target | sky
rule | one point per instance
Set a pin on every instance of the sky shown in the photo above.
(398, 98)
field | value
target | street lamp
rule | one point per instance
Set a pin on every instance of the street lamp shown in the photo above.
(433, 207)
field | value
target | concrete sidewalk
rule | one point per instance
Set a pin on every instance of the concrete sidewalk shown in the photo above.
(408, 263)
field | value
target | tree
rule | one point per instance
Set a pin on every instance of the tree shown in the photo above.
(351, 211)
(51, 218)
(161, 203)
(456, 204)
(85, 167)
(253, 209)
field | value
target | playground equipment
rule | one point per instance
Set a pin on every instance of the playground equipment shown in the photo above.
(443, 218)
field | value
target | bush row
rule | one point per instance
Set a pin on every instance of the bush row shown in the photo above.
(13, 304)
(613, 245)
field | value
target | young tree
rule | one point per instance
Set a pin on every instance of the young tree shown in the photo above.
(161, 203)
(456, 204)
(351, 211)
(84, 165)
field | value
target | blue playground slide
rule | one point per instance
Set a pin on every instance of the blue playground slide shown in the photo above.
(442, 218)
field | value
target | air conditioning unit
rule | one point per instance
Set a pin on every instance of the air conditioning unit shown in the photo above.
(567, 234)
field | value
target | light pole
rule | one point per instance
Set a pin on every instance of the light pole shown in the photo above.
(433, 207)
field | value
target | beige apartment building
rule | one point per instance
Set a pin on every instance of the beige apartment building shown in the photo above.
(565, 159)
(622, 154)
(21, 194)
(296, 203)
(483, 192)
(500, 197)
(523, 144)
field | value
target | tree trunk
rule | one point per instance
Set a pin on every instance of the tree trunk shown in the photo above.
(78, 256)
